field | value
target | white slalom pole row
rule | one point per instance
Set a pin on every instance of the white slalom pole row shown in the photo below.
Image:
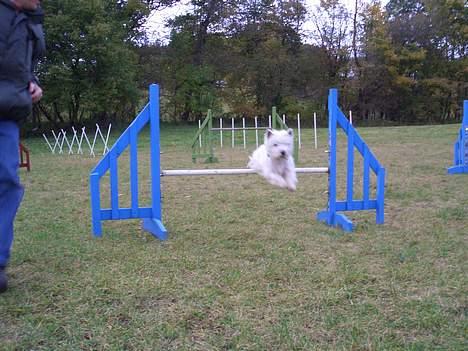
(256, 127)
(60, 139)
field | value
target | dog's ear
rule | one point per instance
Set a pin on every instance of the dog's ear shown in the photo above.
(290, 132)
(268, 133)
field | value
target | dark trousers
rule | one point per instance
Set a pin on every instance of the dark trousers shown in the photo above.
(11, 191)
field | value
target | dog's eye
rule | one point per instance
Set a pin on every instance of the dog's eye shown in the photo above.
(275, 145)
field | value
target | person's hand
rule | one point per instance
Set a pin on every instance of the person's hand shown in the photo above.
(36, 92)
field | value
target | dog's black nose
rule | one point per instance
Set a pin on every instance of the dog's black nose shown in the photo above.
(283, 153)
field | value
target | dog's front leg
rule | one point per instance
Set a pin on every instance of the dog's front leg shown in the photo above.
(290, 180)
(275, 179)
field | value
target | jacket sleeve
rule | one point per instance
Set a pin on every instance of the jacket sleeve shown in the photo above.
(38, 48)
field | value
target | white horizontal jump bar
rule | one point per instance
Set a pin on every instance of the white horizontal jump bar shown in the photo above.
(238, 128)
(232, 171)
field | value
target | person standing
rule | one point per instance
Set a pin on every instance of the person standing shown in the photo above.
(21, 46)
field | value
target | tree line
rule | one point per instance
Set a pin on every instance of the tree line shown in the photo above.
(402, 63)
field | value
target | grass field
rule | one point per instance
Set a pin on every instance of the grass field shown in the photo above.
(246, 266)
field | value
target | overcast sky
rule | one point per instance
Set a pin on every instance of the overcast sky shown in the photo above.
(156, 22)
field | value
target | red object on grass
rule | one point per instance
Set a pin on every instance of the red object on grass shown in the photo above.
(24, 157)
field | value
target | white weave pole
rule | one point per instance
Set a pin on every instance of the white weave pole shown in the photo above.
(83, 135)
(351, 117)
(299, 130)
(106, 139)
(221, 132)
(94, 142)
(73, 140)
(243, 130)
(232, 171)
(256, 131)
(106, 149)
(102, 137)
(50, 146)
(269, 121)
(57, 141)
(64, 133)
(199, 135)
(284, 119)
(315, 130)
(79, 142)
(232, 133)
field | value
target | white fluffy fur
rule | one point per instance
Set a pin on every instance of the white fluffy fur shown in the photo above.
(273, 160)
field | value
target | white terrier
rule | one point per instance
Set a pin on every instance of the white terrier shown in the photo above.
(273, 160)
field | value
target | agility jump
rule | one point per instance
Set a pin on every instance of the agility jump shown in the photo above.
(151, 216)
(460, 148)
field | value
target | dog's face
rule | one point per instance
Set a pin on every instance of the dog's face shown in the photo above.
(279, 143)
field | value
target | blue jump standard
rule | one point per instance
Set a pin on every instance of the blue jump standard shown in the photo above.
(330, 216)
(152, 216)
(460, 148)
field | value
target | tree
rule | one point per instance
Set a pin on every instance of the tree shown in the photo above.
(332, 35)
(90, 69)
(430, 38)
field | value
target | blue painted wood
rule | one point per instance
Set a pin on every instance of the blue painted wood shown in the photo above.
(134, 171)
(330, 215)
(114, 181)
(129, 138)
(122, 142)
(332, 108)
(339, 220)
(460, 147)
(380, 214)
(152, 215)
(95, 204)
(155, 151)
(358, 141)
(127, 213)
(155, 225)
(343, 222)
(109, 163)
(366, 177)
(356, 205)
(350, 168)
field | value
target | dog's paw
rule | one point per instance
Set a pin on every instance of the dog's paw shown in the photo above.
(276, 181)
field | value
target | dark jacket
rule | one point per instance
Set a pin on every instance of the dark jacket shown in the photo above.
(21, 46)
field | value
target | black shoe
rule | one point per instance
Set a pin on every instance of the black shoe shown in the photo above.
(3, 280)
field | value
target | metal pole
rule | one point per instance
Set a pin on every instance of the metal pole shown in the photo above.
(232, 133)
(243, 129)
(256, 131)
(315, 130)
(299, 130)
(221, 132)
(199, 135)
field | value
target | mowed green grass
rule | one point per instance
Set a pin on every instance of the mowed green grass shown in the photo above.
(246, 265)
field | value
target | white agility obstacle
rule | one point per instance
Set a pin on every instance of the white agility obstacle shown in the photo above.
(231, 171)
(152, 216)
(61, 140)
(205, 147)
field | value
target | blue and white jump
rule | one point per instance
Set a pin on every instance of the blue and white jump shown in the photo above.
(151, 216)
(460, 148)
